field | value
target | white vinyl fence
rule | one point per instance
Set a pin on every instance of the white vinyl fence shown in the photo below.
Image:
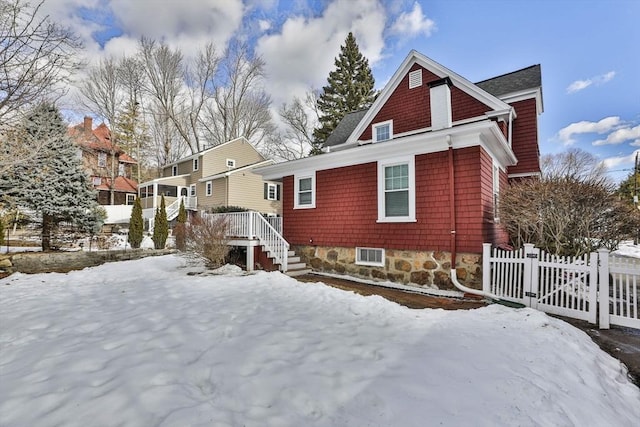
(567, 286)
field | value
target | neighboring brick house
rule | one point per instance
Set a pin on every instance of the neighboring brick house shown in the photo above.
(219, 176)
(110, 169)
(413, 182)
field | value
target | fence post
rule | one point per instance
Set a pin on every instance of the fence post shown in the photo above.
(530, 279)
(603, 287)
(486, 267)
(593, 288)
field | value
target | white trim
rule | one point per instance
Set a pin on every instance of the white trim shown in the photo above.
(202, 153)
(296, 189)
(484, 133)
(375, 126)
(275, 191)
(370, 263)
(209, 188)
(230, 163)
(174, 170)
(524, 175)
(439, 70)
(496, 191)
(195, 163)
(130, 196)
(231, 172)
(524, 95)
(410, 162)
(192, 190)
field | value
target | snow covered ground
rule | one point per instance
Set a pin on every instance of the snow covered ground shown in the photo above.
(142, 343)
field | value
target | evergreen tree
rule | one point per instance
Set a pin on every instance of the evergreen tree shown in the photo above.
(350, 88)
(179, 231)
(160, 226)
(1, 232)
(52, 183)
(629, 188)
(136, 224)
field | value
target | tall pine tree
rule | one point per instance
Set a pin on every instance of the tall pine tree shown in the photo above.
(136, 225)
(52, 183)
(350, 88)
(160, 226)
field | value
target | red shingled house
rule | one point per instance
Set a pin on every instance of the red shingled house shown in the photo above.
(413, 181)
(109, 167)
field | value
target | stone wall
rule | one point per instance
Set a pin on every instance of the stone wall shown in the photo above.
(420, 268)
(62, 262)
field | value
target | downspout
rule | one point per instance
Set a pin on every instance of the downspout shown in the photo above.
(452, 207)
(510, 126)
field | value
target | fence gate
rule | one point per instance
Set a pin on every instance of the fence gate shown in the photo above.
(566, 286)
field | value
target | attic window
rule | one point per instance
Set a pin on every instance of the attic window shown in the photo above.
(382, 131)
(231, 163)
(415, 79)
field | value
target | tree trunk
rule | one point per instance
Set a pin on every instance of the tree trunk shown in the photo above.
(47, 226)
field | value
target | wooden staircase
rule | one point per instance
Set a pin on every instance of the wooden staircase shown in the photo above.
(295, 266)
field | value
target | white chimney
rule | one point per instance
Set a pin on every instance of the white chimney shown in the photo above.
(440, 99)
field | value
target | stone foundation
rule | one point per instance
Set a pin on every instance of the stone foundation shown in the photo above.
(430, 269)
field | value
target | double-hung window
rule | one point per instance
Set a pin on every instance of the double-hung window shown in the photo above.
(196, 164)
(102, 160)
(305, 191)
(209, 188)
(382, 131)
(396, 190)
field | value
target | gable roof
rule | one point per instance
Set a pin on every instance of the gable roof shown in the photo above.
(439, 70)
(216, 147)
(229, 172)
(515, 81)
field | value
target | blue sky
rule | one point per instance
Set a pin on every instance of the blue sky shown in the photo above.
(587, 49)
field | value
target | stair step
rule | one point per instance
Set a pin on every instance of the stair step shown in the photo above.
(293, 259)
(296, 266)
(291, 253)
(294, 273)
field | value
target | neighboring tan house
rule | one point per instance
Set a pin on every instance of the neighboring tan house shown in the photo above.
(408, 189)
(216, 177)
(109, 167)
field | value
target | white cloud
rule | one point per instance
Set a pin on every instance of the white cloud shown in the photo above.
(301, 54)
(579, 85)
(622, 135)
(603, 126)
(264, 25)
(613, 162)
(413, 23)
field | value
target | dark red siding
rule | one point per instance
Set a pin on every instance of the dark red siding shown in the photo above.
(525, 138)
(347, 207)
(410, 108)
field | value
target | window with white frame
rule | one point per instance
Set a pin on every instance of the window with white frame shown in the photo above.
(209, 186)
(231, 163)
(496, 193)
(192, 190)
(196, 164)
(415, 79)
(382, 131)
(370, 256)
(272, 192)
(102, 160)
(174, 170)
(305, 191)
(396, 190)
(131, 198)
(120, 169)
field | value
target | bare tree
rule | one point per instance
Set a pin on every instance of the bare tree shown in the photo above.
(297, 138)
(36, 57)
(240, 105)
(574, 165)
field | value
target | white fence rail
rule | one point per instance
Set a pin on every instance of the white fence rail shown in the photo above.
(252, 225)
(566, 286)
(117, 214)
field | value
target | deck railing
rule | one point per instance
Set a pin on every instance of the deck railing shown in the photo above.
(252, 225)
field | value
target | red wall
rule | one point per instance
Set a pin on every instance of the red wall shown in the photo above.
(525, 138)
(410, 108)
(347, 207)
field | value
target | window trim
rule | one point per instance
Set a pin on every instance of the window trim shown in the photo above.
(296, 190)
(209, 188)
(275, 191)
(192, 190)
(174, 170)
(102, 159)
(132, 197)
(231, 163)
(382, 164)
(196, 164)
(370, 263)
(375, 126)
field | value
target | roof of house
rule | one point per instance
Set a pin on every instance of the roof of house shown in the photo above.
(515, 81)
(98, 139)
(121, 184)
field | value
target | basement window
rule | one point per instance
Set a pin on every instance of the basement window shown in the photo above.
(370, 256)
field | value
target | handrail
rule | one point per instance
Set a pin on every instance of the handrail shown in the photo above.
(252, 225)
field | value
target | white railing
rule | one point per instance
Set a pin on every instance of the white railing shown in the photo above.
(276, 222)
(252, 225)
(567, 286)
(117, 214)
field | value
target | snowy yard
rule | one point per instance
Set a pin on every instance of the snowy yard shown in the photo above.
(141, 343)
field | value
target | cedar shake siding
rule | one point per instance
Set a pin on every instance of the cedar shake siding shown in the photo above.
(346, 211)
(525, 138)
(410, 109)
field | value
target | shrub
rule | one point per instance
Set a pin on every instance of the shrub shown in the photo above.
(179, 229)
(160, 226)
(226, 209)
(136, 225)
(206, 237)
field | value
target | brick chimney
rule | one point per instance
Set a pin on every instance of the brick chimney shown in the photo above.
(440, 97)
(88, 126)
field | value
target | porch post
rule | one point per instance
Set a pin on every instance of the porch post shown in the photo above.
(250, 257)
(603, 288)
